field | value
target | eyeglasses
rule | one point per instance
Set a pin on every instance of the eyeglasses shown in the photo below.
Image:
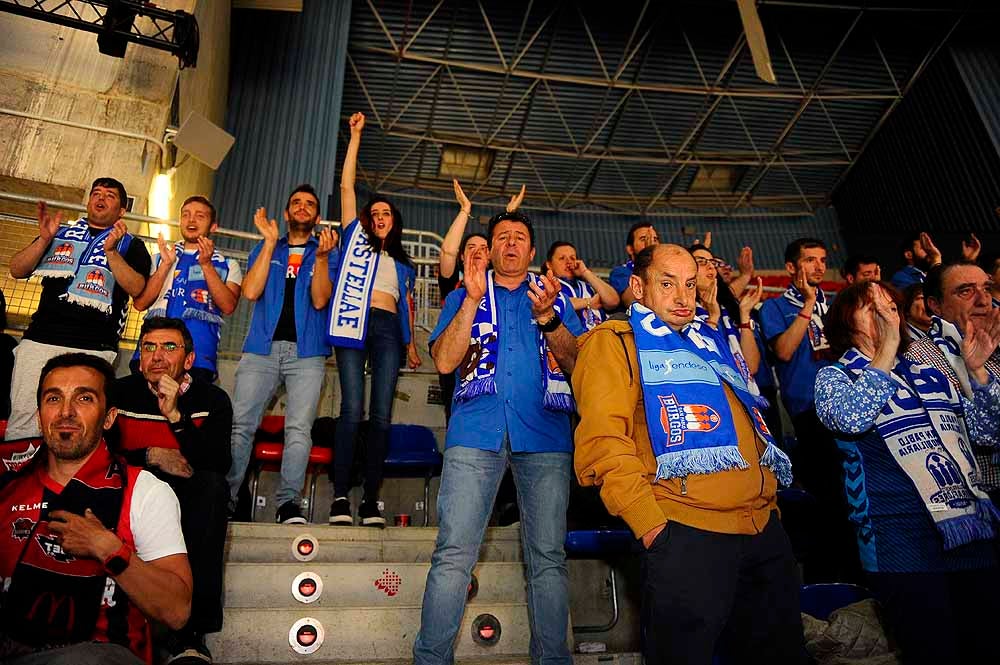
(702, 261)
(151, 347)
(967, 291)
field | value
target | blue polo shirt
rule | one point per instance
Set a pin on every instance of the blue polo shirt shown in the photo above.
(516, 408)
(310, 323)
(619, 278)
(797, 377)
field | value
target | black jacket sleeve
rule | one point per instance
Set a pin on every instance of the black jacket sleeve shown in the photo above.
(206, 448)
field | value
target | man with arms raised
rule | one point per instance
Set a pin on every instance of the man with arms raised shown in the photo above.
(88, 269)
(510, 337)
(178, 427)
(92, 547)
(193, 282)
(677, 443)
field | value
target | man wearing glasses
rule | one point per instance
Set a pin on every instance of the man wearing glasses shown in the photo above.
(959, 296)
(178, 428)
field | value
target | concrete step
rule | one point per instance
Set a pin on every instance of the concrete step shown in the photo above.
(273, 543)
(358, 635)
(341, 585)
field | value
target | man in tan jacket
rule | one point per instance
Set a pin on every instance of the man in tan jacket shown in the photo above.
(718, 570)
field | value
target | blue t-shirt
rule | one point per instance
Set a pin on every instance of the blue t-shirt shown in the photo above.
(797, 377)
(516, 408)
(619, 278)
(907, 276)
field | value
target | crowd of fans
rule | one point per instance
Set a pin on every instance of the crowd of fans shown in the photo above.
(660, 386)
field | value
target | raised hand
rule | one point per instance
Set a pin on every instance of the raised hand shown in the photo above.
(707, 240)
(463, 201)
(206, 247)
(971, 249)
(543, 295)
(474, 278)
(168, 254)
(515, 201)
(807, 290)
(48, 225)
(167, 392)
(886, 316)
(357, 124)
(750, 299)
(745, 261)
(933, 253)
(118, 232)
(266, 227)
(981, 339)
(326, 243)
(579, 268)
(709, 297)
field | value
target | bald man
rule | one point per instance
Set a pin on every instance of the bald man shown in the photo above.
(675, 440)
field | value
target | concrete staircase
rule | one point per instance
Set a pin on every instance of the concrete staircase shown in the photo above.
(320, 594)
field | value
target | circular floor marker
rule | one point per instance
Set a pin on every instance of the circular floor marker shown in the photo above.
(486, 630)
(307, 587)
(304, 547)
(306, 636)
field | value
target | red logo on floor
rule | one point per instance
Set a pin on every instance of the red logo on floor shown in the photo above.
(389, 582)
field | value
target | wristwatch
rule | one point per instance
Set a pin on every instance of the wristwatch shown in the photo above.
(119, 560)
(550, 325)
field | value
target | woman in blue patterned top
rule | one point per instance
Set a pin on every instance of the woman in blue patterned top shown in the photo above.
(926, 532)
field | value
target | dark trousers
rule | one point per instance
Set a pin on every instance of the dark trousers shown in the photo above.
(203, 499)
(818, 465)
(706, 593)
(941, 617)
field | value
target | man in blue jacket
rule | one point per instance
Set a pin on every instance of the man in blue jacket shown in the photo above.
(286, 343)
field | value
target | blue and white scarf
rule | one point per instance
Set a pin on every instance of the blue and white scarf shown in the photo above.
(732, 335)
(948, 339)
(74, 253)
(817, 338)
(687, 412)
(352, 293)
(185, 292)
(924, 431)
(477, 376)
(915, 332)
(578, 288)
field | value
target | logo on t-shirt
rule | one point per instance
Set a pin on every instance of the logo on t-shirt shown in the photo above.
(294, 262)
(21, 529)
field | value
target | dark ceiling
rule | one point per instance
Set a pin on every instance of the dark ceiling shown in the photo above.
(618, 106)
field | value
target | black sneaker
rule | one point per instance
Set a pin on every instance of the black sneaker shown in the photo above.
(370, 514)
(189, 651)
(340, 512)
(289, 513)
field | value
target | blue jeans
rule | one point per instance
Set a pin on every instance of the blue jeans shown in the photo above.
(384, 347)
(257, 379)
(469, 482)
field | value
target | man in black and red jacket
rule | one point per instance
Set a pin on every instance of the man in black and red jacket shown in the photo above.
(179, 428)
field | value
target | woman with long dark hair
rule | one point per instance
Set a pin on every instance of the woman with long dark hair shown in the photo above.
(370, 318)
(926, 532)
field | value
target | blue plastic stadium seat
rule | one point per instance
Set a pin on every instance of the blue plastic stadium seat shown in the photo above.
(819, 600)
(413, 453)
(599, 542)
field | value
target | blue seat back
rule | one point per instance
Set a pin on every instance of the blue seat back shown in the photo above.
(599, 542)
(819, 600)
(412, 451)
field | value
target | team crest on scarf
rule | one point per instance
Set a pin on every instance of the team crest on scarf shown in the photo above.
(678, 419)
(951, 488)
(95, 284)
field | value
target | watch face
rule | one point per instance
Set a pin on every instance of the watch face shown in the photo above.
(116, 565)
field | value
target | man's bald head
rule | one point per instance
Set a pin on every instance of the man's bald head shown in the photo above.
(664, 279)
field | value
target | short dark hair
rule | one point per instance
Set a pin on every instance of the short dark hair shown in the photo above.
(308, 189)
(854, 263)
(515, 216)
(111, 183)
(793, 252)
(934, 280)
(911, 293)
(77, 359)
(838, 324)
(151, 323)
(198, 198)
(556, 245)
(906, 245)
(466, 239)
(630, 238)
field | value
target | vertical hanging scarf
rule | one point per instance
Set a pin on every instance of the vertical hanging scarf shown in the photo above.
(477, 373)
(948, 339)
(185, 292)
(352, 293)
(731, 333)
(687, 412)
(924, 431)
(75, 253)
(578, 288)
(817, 338)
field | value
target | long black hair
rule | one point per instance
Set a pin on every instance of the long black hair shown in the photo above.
(393, 243)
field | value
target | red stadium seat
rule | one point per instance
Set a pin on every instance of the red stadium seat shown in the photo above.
(267, 457)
